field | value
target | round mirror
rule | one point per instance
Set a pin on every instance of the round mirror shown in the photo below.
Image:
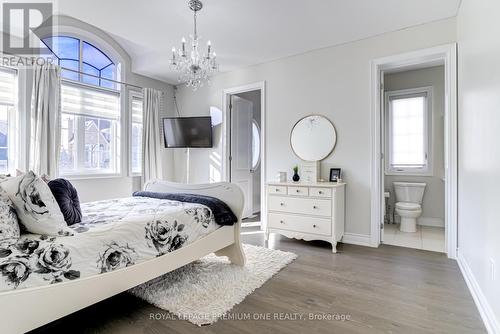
(313, 138)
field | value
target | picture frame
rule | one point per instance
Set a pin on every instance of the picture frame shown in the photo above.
(335, 174)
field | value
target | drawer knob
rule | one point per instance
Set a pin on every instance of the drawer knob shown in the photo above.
(314, 225)
(282, 222)
(277, 190)
(282, 204)
(315, 207)
(297, 190)
(320, 192)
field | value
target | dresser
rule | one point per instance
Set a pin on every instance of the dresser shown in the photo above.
(309, 211)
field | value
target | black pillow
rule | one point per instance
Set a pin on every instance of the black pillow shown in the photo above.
(67, 198)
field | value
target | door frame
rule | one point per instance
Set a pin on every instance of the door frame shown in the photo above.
(446, 54)
(226, 138)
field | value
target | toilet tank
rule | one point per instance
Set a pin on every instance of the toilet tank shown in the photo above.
(412, 192)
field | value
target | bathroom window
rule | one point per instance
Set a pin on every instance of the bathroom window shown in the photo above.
(408, 131)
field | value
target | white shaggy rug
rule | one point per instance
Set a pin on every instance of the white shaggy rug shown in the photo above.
(205, 290)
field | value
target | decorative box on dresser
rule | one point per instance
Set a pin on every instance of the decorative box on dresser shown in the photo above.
(309, 211)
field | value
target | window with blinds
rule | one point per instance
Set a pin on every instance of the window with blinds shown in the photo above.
(408, 136)
(136, 134)
(8, 119)
(89, 130)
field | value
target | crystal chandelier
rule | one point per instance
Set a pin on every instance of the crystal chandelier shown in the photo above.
(193, 67)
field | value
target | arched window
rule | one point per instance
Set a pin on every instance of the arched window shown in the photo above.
(90, 108)
(80, 55)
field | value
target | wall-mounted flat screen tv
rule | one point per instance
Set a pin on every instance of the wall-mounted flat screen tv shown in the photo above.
(195, 132)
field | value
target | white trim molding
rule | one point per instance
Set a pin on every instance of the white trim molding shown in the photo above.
(430, 221)
(444, 54)
(484, 308)
(356, 239)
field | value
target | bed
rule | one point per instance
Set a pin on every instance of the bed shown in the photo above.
(119, 244)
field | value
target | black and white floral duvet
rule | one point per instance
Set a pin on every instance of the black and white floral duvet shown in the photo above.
(113, 234)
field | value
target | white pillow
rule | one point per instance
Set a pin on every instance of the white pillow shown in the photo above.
(9, 226)
(35, 205)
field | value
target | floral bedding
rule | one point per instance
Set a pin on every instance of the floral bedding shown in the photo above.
(113, 234)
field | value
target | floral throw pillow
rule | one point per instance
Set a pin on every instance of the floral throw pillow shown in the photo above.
(9, 226)
(35, 205)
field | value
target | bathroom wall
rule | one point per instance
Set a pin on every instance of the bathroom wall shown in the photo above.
(433, 205)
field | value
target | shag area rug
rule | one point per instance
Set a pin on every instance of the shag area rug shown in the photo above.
(205, 290)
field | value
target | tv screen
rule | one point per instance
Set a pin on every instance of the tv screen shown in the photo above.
(187, 132)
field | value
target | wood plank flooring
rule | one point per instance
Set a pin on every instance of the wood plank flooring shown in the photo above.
(384, 290)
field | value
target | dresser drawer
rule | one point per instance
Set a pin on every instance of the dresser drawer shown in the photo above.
(320, 192)
(301, 205)
(311, 225)
(298, 191)
(276, 190)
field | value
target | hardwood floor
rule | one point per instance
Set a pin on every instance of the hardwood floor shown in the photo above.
(384, 290)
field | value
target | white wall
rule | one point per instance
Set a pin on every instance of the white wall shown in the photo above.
(479, 149)
(254, 97)
(434, 197)
(334, 82)
(92, 189)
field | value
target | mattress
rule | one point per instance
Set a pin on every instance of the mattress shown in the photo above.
(113, 234)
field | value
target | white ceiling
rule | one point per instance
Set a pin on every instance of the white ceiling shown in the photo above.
(246, 32)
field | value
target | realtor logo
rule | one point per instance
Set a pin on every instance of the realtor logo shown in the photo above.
(22, 23)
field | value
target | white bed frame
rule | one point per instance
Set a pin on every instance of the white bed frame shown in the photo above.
(26, 309)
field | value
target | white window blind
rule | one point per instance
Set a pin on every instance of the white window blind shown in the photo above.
(136, 135)
(87, 101)
(8, 86)
(8, 120)
(136, 110)
(408, 131)
(90, 128)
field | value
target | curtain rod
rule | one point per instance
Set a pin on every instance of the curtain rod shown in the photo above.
(98, 77)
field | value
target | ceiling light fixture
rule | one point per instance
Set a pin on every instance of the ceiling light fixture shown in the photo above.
(194, 68)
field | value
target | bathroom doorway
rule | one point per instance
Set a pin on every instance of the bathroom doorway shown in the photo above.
(414, 152)
(413, 157)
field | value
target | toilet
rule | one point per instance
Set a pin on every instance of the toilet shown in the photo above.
(408, 206)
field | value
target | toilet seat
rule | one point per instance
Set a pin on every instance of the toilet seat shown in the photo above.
(408, 206)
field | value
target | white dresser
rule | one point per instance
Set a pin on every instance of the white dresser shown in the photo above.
(309, 211)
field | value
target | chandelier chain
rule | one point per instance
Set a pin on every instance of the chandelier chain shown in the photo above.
(195, 28)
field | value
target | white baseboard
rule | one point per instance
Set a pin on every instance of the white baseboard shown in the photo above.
(424, 221)
(484, 308)
(429, 221)
(356, 239)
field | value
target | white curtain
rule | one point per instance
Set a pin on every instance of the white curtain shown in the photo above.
(45, 120)
(151, 140)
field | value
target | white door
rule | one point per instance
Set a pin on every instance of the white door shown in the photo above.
(241, 149)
